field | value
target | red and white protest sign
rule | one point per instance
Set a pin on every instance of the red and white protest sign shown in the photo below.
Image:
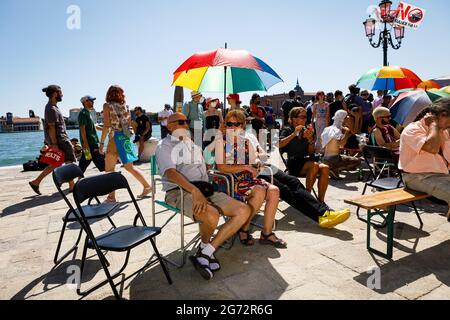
(409, 16)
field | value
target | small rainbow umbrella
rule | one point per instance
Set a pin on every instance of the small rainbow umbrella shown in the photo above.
(225, 70)
(389, 78)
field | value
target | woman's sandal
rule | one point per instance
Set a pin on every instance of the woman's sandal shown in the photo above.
(249, 241)
(109, 200)
(279, 243)
(145, 193)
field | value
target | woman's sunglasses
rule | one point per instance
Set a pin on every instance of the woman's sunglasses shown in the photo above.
(233, 124)
(182, 122)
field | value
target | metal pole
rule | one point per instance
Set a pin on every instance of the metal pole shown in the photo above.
(225, 86)
(385, 51)
(385, 46)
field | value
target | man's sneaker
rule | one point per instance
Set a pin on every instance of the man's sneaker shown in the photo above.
(203, 268)
(332, 218)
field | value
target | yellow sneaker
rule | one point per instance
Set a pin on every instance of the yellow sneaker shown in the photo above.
(332, 218)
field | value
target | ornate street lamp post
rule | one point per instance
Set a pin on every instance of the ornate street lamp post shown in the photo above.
(385, 38)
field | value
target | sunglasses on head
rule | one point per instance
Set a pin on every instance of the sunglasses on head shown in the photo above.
(182, 122)
(233, 124)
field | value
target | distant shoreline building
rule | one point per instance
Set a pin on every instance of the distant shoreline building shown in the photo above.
(17, 124)
(276, 100)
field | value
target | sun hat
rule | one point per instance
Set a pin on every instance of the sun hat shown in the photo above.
(195, 94)
(235, 97)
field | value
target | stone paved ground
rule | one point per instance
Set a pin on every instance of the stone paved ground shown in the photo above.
(319, 264)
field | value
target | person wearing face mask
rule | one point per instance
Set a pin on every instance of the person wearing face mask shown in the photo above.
(55, 133)
(383, 134)
(162, 119)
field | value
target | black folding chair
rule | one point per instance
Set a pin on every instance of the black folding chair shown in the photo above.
(63, 175)
(379, 159)
(121, 239)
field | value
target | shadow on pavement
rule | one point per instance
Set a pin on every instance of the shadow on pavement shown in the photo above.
(400, 273)
(405, 232)
(57, 277)
(32, 202)
(247, 273)
(294, 220)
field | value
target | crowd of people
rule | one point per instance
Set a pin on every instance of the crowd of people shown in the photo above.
(208, 134)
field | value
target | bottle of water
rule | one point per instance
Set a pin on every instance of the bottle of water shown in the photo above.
(87, 154)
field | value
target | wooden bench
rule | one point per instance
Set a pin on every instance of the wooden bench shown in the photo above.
(384, 204)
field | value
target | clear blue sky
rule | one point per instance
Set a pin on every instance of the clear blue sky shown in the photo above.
(139, 43)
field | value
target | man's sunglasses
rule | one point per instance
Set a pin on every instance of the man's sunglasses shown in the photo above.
(182, 122)
(233, 124)
(300, 117)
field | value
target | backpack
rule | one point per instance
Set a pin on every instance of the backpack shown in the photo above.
(349, 99)
(34, 165)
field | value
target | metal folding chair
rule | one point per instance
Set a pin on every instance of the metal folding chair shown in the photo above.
(63, 175)
(378, 159)
(122, 239)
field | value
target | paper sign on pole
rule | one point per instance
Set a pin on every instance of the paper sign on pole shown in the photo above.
(409, 16)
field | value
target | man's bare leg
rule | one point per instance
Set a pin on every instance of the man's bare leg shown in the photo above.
(237, 212)
(36, 183)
